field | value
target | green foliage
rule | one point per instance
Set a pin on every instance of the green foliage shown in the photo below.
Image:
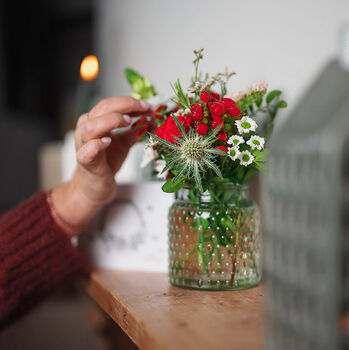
(171, 187)
(181, 98)
(272, 95)
(281, 104)
(142, 88)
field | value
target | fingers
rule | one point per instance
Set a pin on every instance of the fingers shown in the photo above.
(89, 151)
(82, 119)
(98, 127)
(119, 104)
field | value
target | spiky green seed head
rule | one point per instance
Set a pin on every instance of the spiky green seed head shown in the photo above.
(193, 150)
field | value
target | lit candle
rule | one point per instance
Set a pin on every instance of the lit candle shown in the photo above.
(86, 92)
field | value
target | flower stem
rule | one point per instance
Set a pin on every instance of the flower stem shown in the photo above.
(235, 252)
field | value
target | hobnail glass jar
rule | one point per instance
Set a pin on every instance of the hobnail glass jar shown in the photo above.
(214, 238)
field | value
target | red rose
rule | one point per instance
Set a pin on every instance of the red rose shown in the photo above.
(205, 96)
(169, 129)
(196, 111)
(223, 149)
(161, 131)
(201, 129)
(222, 136)
(217, 108)
(216, 122)
(215, 96)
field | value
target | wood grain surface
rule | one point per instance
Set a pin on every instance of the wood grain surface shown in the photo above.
(156, 315)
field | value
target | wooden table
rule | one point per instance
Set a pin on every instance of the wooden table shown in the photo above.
(158, 316)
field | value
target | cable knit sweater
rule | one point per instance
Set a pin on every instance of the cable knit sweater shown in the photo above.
(36, 258)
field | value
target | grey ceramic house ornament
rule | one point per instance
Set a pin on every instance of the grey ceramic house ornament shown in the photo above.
(306, 219)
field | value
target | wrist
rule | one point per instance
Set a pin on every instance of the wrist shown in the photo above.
(70, 209)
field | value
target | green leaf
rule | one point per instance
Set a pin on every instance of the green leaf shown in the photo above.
(197, 177)
(142, 88)
(132, 76)
(214, 167)
(216, 151)
(258, 100)
(260, 156)
(179, 175)
(170, 187)
(162, 141)
(281, 104)
(272, 94)
(227, 223)
(203, 222)
(179, 126)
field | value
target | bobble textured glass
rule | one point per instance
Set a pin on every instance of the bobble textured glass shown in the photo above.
(214, 244)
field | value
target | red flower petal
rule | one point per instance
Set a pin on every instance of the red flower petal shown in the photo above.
(201, 129)
(217, 108)
(223, 149)
(205, 96)
(222, 136)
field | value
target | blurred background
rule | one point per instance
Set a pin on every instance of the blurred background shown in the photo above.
(42, 43)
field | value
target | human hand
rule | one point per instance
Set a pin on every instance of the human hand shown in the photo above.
(100, 154)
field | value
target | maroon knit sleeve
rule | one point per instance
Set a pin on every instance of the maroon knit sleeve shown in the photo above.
(36, 258)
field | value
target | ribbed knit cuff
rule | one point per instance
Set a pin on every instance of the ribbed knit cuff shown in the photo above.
(36, 258)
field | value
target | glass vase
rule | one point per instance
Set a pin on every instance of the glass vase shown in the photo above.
(214, 240)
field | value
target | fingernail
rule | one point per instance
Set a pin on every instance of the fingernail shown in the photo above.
(127, 118)
(106, 140)
(144, 104)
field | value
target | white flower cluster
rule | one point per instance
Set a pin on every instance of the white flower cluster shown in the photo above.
(259, 86)
(245, 157)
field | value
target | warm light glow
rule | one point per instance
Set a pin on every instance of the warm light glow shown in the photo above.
(89, 68)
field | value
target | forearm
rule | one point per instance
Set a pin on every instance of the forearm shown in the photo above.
(36, 258)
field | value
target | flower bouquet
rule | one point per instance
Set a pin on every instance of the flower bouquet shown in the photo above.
(206, 145)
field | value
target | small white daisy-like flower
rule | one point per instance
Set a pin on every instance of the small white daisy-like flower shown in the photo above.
(235, 140)
(246, 158)
(159, 165)
(234, 152)
(148, 156)
(246, 124)
(256, 142)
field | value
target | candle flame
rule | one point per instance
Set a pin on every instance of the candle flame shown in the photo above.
(89, 68)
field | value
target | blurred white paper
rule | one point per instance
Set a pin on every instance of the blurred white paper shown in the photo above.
(131, 232)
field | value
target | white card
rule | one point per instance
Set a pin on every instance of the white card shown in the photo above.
(131, 233)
